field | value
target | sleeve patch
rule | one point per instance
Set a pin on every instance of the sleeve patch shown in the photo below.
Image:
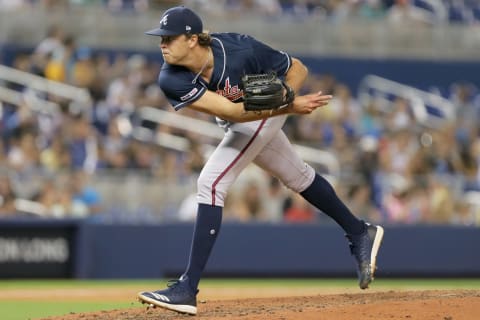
(189, 95)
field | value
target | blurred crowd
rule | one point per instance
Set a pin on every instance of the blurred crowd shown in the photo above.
(396, 11)
(392, 169)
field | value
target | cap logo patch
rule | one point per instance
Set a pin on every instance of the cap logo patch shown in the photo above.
(188, 28)
(164, 20)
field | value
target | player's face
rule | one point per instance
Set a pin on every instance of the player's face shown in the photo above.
(174, 48)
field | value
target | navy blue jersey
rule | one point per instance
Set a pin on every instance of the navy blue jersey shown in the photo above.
(234, 55)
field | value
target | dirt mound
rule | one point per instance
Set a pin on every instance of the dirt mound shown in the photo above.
(411, 305)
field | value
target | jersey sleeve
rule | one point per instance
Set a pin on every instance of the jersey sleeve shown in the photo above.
(270, 59)
(179, 88)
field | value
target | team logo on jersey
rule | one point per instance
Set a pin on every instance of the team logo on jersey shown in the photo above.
(164, 20)
(189, 95)
(230, 92)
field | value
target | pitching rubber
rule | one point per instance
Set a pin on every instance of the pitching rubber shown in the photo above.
(175, 307)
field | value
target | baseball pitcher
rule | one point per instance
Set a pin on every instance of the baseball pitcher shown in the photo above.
(250, 88)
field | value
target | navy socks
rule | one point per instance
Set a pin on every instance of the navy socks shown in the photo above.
(321, 194)
(207, 226)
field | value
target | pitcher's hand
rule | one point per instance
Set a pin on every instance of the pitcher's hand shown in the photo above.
(308, 103)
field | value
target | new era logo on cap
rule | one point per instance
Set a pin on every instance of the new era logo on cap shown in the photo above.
(178, 20)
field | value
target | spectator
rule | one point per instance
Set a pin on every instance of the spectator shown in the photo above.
(23, 155)
(395, 202)
(471, 170)
(372, 9)
(442, 201)
(55, 157)
(85, 198)
(299, 210)
(124, 90)
(370, 123)
(115, 147)
(83, 71)
(187, 210)
(55, 200)
(7, 197)
(467, 112)
(275, 200)
(401, 116)
(360, 198)
(403, 12)
(82, 144)
(399, 150)
(195, 159)
(51, 43)
(250, 204)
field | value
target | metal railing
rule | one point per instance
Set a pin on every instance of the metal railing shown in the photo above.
(204, 128)
(29, 99)
(36, 84)
(381, 91)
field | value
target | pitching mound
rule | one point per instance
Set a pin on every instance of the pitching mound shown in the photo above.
(421, 305)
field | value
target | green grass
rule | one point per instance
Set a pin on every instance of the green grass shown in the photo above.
(22, 310)
(66, 284)
(16, 309)
(462, 283)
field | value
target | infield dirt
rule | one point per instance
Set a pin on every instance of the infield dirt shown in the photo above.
(378, 305)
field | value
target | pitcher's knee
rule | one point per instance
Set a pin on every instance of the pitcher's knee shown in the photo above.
(299, 181)
(208, 192)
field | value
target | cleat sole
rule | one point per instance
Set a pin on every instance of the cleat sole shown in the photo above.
(376, 245)
(186, 309)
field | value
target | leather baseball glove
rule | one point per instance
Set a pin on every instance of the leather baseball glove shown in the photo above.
(265, 92)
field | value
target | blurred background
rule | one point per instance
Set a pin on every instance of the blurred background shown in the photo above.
(89, 139)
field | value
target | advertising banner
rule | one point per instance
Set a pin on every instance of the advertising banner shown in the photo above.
(36, 251)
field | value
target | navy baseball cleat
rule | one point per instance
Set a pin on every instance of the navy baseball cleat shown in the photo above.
(179, 296)
(364, 248)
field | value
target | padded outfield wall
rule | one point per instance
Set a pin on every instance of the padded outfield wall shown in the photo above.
(86, 249)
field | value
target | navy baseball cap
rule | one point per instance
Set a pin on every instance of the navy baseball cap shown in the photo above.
(178, 20)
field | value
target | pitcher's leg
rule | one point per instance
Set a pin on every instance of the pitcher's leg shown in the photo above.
(207, 227)
(280, 159)
(239, 147)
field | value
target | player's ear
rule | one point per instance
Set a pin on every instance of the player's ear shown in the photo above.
(192, 40)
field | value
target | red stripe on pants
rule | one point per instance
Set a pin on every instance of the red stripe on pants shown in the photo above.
(224, 172)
